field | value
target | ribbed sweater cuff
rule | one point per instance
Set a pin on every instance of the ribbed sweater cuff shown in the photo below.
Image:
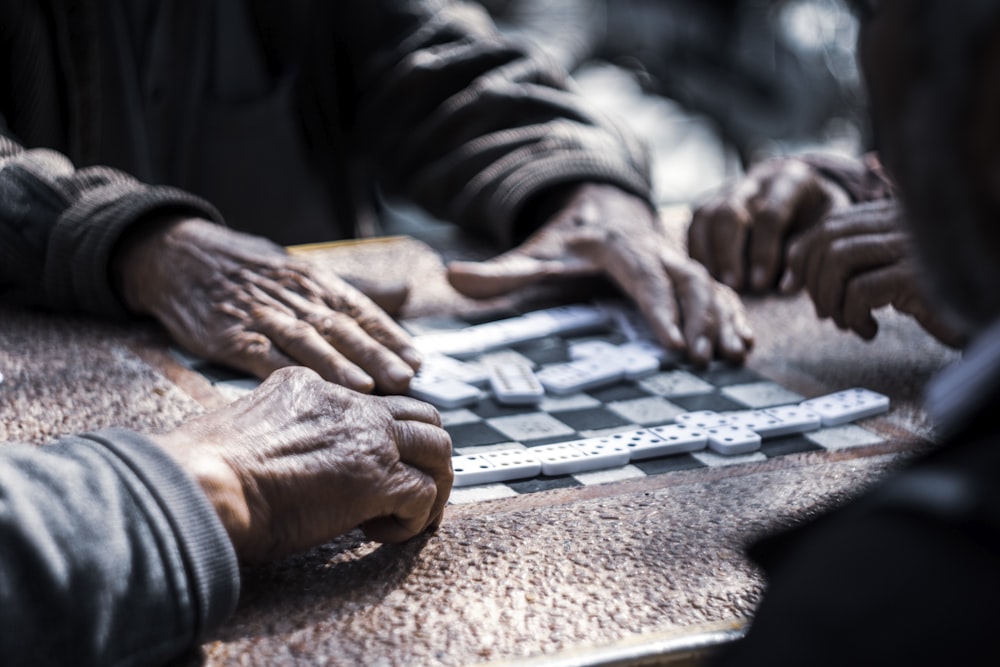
(212, 568)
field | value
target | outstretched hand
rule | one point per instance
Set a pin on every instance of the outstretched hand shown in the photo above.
(299, 461)
(603, 229)
(242, 301)
(740, 235)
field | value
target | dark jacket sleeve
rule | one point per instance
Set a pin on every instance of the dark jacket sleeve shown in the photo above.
(468, 125)
(59, 226)
(109, 554)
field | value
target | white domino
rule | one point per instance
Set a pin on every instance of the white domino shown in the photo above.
(585, 349)
(763, 424)
(729, 439)
(491, 467)
(637, 359)
(439, 365)
(513, 464)
(567, 458)
(794, 419)
(662, 441)
(650, 348)
(702, 419)
(514, 384)
(444, 392)
(570, 319)
(472, 469)
(638, 364)
(503, 333)
(462, 343)
(848, 405)
(581, 375)
(776, 421)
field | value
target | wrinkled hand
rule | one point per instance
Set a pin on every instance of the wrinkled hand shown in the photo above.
(300, 460)
(602, 228)
(241, 300)
(860, 259)
(740, 234)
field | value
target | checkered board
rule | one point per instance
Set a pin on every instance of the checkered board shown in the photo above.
(627, 405)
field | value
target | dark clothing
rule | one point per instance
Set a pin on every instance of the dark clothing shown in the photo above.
(109, 554)
(281, 112)
(909, 574)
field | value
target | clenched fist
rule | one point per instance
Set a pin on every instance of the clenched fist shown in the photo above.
(300, 460)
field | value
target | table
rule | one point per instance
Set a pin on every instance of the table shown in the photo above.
(646, 571)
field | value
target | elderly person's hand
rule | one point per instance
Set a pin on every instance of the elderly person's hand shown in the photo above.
(860, 259)
(602, 228)
(241, 300)
(299, 461)
(740, 234)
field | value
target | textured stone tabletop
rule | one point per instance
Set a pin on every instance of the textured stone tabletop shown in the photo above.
(585, 575)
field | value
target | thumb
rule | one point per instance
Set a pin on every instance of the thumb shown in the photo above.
(500, 275)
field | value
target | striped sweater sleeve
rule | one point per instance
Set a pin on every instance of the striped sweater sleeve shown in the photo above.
(59, 226)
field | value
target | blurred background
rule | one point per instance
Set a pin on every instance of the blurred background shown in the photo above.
(712, 85)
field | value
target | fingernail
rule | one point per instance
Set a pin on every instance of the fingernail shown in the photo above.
(702, 349)
(358, 380)
(399, 373)
(758, 278)
(411, 356)
(676, 338)
(787, 282)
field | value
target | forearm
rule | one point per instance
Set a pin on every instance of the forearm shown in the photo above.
(59, 227)
(109, 554)
(469, 126)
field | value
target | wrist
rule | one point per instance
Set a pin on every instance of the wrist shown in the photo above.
(137, 262)
(216, 478)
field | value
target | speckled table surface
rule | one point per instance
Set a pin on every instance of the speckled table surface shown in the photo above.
(574, 574)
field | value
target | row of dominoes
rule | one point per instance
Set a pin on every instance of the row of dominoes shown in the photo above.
(450, 383)
(475, 340)
(727, 433)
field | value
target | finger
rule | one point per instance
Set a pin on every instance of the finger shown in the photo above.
(870, 291)
(377, 324)
(849, 256)
(934, 321)
(301, 342)
(774, 210)
(796, 255)
(411, 502)
(729, 240)
(424, 446)
(389, 296)
(701, 325)
(344, 334)
(428, 449)
(251, 352)
(697, 236)
(646, 281)
(350, 331)
(735, 338)
(404, 407)
(717, 239)
(501, 275)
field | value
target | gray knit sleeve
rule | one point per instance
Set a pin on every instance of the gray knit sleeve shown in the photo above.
(109, 554)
